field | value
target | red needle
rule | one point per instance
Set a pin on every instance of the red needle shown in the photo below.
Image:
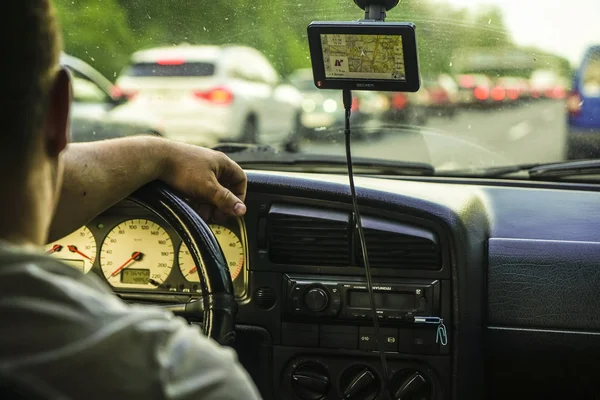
(191, 271)
(133, 257)
(73, 249)
(56, 247)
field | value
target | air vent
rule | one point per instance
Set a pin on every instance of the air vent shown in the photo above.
(399, 246)
(308, 236)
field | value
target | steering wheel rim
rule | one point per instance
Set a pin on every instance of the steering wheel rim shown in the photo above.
(219, 305)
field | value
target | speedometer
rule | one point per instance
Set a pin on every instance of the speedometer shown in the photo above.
(137, 254)
(232, 250)
(77, 249)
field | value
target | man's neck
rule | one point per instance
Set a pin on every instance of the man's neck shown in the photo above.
(24, 218)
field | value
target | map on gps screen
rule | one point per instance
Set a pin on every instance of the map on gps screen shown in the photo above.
(348, 56)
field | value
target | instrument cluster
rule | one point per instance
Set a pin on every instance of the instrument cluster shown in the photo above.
(135, 251)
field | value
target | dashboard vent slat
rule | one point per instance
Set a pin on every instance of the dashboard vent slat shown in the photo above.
(399, 246)
(308, 236)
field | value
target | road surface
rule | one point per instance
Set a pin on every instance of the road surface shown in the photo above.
(524, 133)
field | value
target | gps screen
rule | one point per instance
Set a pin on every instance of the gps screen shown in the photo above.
(369, 57)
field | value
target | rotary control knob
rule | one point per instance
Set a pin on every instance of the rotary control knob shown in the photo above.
(359, 382)
(411, 385)
(310, 381)
(316, 299)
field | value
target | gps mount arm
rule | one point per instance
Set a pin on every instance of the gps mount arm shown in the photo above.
(375, 9)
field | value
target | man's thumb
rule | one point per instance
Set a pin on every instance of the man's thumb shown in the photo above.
(227, 202)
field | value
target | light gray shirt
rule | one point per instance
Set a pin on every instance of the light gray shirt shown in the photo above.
(69, 336)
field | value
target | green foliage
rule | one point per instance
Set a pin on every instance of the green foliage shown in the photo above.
(97, 32)
(105, 32)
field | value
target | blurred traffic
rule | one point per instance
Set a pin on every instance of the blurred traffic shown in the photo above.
(208, 94)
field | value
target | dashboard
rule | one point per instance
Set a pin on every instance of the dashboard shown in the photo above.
(135, 251)
(511, 267)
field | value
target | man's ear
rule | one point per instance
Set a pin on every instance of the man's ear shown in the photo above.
(57, 118)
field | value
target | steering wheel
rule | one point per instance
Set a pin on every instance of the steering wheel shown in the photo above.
(218, 304)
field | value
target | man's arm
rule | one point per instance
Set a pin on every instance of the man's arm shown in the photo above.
(99, 174)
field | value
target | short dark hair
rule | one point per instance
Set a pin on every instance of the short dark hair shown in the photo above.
(30, 44)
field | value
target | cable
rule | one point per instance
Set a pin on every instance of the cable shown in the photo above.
(347, 99)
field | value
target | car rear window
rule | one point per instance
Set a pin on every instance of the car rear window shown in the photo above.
(170, 70)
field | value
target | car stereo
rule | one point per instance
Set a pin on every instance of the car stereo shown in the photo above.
(346, 298)
(364, 55)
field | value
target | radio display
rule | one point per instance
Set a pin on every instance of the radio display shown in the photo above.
(383, 300)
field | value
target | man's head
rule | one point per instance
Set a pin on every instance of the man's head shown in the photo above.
(34, 109)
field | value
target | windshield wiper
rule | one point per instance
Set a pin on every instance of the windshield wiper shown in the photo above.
(267, 157)
(533, 170)
(490, 172)
(566, 169)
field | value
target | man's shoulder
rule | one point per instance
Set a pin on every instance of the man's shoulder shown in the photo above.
(84, 324)
(41, 294)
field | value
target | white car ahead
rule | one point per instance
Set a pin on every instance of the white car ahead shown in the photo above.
(210, 94)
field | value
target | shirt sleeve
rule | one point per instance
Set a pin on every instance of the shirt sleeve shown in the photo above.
(193, 366)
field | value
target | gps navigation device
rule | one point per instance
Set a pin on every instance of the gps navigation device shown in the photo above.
(364, 55)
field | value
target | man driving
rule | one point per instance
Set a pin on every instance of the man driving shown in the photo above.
(64, 334)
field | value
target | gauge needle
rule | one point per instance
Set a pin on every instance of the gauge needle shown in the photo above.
(191, 271)
(55, 248)
(126, 263)
(73, 249)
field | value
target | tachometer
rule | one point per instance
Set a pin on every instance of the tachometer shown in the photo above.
(137, 254)
(77, 249)
(232, 249)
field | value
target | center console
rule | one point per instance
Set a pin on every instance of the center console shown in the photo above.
(309, 292)
(328, 345)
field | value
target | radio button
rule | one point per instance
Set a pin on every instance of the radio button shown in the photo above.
(336, 303)
(423, 304)
(316, 299)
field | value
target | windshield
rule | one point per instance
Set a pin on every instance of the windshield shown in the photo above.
(504, 82)
(170, 68)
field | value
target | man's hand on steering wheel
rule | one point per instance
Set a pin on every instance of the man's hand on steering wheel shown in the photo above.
(215, 184)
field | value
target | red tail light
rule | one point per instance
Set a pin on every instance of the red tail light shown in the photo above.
(399, 101)
(498, 93)
(558, 93)
(513, 94)
(117, 93)
(355, 104)
(171, 61)
(574, 102)
(481, 93)
(220, 96)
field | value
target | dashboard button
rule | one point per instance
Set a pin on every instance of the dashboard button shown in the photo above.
(389, 337)
(423, 341)
(302, 335)
(338, 337)
(404, 340)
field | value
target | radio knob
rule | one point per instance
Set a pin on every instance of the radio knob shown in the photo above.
(316, 299)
